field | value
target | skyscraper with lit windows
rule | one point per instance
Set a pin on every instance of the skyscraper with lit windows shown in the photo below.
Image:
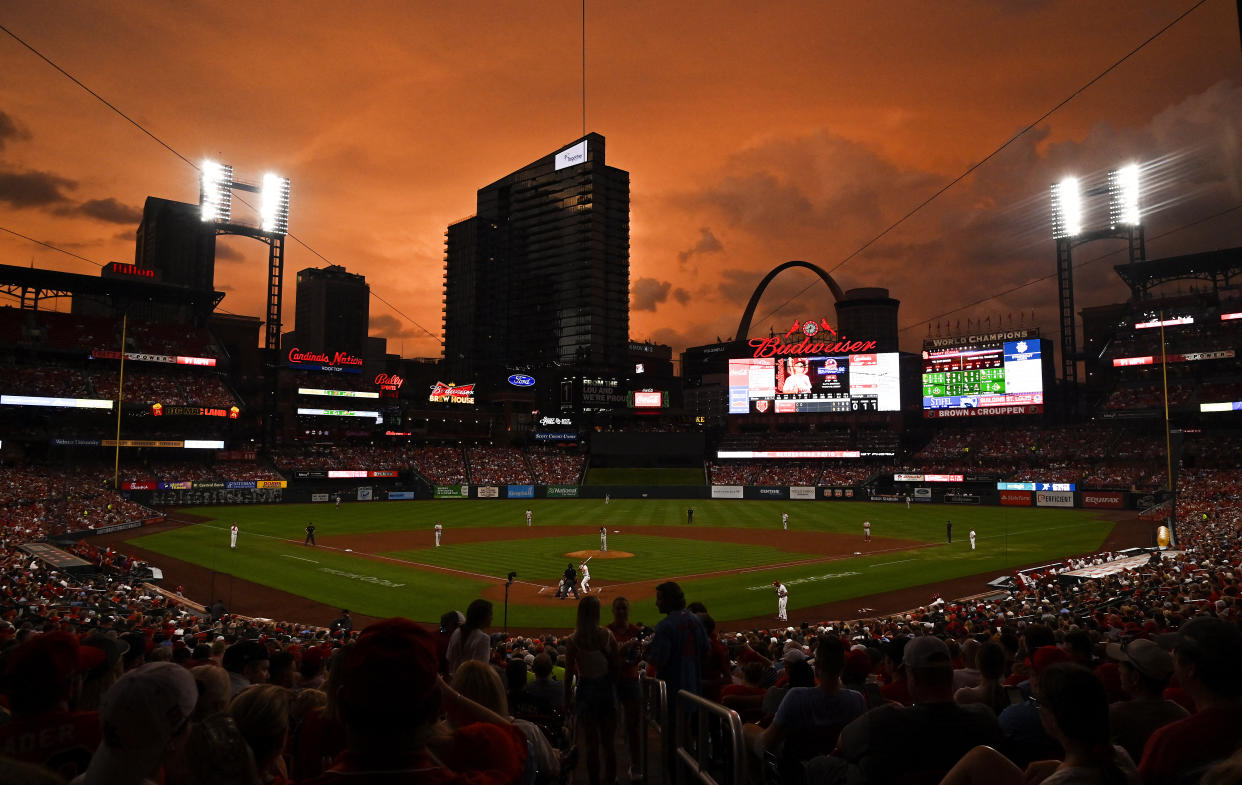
(539, 276)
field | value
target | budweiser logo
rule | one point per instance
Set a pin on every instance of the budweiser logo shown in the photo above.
(774, 347)
(459, 393)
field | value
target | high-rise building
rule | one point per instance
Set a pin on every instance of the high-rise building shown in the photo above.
(173, 240)
(333, 310)
(539, 276)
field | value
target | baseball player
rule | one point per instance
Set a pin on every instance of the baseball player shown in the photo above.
(529, 517)
(785, 521)
(439, 532)
(948, 531)
(603, 538)
(782, 600)
(233, 536)
(972, 539)
(310, 534)
(867, 531)
(586, 578)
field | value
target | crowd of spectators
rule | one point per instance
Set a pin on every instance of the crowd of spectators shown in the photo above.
(906, 697)
(45, 380)
(41, 501)
(324, 457)
(441, 465)
(497, 466)
(550, 465)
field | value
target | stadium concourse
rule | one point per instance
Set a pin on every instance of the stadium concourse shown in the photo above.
(75, 633)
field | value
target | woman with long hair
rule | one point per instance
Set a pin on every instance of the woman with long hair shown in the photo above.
(592, 660)
(470, 641)
(991, 689)
(1073, 707)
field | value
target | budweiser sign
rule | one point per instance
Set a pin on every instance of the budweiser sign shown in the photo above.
(809, 338)
(452, 393)
(299, 357)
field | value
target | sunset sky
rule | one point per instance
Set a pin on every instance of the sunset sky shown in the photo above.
(754, 133)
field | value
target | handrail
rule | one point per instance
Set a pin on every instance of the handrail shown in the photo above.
(704, 752)
(653, 697)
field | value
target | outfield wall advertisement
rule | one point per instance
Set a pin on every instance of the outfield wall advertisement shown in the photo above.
(520, 492)
(488, 492)
(562, 492)
(802, 492)
(1054, 499)
(452, 492)
(726, 491)
(1105, 500)
(1015, 498)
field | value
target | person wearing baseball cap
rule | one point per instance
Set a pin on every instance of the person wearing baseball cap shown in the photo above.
(43, 680)
(898, 743)
(388, 694)
(1145, 669)
(1206, 652)
(141, 714)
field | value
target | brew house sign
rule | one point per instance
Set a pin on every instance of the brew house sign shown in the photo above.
(810, 337)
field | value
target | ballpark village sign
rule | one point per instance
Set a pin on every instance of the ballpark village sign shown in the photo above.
(808, 340)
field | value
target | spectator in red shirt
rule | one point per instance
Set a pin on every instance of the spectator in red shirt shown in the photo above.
(388, 695)
(1206, 651)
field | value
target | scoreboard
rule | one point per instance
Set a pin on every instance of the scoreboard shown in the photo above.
(989, 375)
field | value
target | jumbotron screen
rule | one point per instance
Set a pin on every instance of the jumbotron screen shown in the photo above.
(991, 377)
(788, 385)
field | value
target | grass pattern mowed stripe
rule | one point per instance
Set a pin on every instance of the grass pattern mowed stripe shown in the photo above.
(655, 558)
(271, 537)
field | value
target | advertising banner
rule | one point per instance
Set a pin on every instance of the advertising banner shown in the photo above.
(520, 491)
(961, 498)
(801, 492)
(315, 475)
(1015, 498)
(922, 494)
(364, 494)
(886, 497)
(907, 478)
(232, 484)
(452, 492)
(138, 486)
(489, 492)
(271, 484)
(556, 436)
(1054, 499)
(837, 493)
(726, 491)
(1109, 500)
(562, 491)
(773, 493)
(319, 497)
(396, 496)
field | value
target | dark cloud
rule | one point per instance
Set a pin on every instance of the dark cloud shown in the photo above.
(648, 293)
(227, 253)
(110, 210)
(10, 130)
(681, 295)
(708, 243)
(388, 326)
(34, 189)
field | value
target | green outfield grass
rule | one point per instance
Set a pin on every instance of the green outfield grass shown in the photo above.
(270, 551)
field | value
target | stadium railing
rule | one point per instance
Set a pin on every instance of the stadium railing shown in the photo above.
(653, 698)
(715, 753)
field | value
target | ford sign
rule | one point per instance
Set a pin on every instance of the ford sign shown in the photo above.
(521, 380)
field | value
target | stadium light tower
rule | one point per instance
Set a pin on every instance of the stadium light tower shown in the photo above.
(215, 199)
(1124, 223)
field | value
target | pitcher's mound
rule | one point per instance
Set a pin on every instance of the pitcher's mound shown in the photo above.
(600, 554)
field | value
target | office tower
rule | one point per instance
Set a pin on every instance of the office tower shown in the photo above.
(539, 276)
(333, 311)
(173, 240)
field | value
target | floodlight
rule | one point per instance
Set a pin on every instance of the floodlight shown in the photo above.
(1123, 196)
(274, 209)
(1066, 209)
(215, 196)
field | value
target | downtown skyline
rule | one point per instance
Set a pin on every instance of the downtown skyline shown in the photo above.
(752, 135)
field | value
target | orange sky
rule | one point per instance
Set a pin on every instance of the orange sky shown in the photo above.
(754, 133)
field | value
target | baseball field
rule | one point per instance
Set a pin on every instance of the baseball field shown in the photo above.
(379, 559)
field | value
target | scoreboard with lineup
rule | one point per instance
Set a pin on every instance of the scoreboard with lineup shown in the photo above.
(987, 375)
